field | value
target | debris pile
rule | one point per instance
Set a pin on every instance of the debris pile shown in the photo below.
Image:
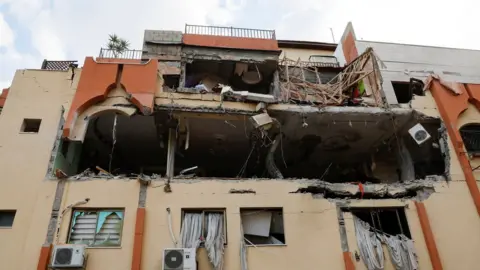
(352, 86)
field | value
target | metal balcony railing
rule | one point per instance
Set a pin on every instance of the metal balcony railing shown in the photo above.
(229, 31)
(127, 54)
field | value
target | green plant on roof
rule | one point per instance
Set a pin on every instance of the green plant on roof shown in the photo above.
(117, 45)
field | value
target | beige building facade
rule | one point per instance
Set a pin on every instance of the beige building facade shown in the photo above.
(118, 155)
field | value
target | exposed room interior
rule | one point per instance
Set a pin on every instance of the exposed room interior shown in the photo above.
(205, 75)
(337, 148)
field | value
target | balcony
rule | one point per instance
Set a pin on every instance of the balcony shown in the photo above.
(229, 31)
(127, 56)
(230, 37)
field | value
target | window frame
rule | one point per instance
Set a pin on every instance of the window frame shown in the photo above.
(203, 211)
(97, 210)
(467, 130)
(374, 211)
(271, 209)
(13, 219)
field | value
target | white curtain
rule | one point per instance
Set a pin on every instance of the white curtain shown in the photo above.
(214, 242)
(191, 230)
(369, 245)
(191, 235)
(402, 252)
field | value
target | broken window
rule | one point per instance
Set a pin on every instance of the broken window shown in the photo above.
(202, 227)
(379, 227)
(31, 125)
(471, 138)
(206, 76)
(263, 226)
(96, 228)
(6, 218)
(392, 221)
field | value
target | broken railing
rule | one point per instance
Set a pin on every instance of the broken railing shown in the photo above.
(301, 82)
(229, 31)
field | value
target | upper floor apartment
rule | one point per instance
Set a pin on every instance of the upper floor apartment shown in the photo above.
(213, 85)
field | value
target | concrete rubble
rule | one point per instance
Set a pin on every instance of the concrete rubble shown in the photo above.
(418, 189)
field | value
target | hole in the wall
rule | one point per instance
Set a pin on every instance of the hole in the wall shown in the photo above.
(402, 91)
(171, 81)
(31, 125)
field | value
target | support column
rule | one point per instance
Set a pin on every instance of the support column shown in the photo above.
(347, 256)
(139, 228)
(172, 145)
(138, 240)
(405, 162)
(428, 235)
(46, 249)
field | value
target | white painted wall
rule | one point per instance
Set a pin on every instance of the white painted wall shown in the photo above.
(404, 61)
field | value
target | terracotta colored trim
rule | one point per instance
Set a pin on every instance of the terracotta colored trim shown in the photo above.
(97, 79)
(450, 107)
(230, 42)
(347, 258)
(44, 258)
(138, 239)
(428, 235)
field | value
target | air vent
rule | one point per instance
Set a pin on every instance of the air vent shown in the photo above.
(419, 134)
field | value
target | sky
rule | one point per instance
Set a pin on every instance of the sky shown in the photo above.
(33, 30)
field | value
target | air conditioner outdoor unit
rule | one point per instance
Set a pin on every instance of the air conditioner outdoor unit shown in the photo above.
(419, 134)
(68, 256)
(179, 259)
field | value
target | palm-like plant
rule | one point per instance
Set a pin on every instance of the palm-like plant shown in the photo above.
(117, 45)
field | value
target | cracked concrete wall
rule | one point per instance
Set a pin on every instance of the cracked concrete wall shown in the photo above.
(24, 160)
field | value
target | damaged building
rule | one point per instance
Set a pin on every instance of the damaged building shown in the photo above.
(226, 148)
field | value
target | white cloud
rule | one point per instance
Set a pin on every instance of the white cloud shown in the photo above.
(75, 29)
(6, 33)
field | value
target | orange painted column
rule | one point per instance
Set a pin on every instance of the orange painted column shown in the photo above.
(428, 235)
(44, 258)
(138, 240)
(450, 107)
(347, 258)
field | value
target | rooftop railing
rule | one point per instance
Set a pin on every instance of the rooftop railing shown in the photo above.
(127, 54)
(229, 31)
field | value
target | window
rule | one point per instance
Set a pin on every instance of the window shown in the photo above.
(6, 218)
(96, 228)
(263, 226)
(391, 221)
(31, 125)
(471, 138)
(402, 91)
(201, 224)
